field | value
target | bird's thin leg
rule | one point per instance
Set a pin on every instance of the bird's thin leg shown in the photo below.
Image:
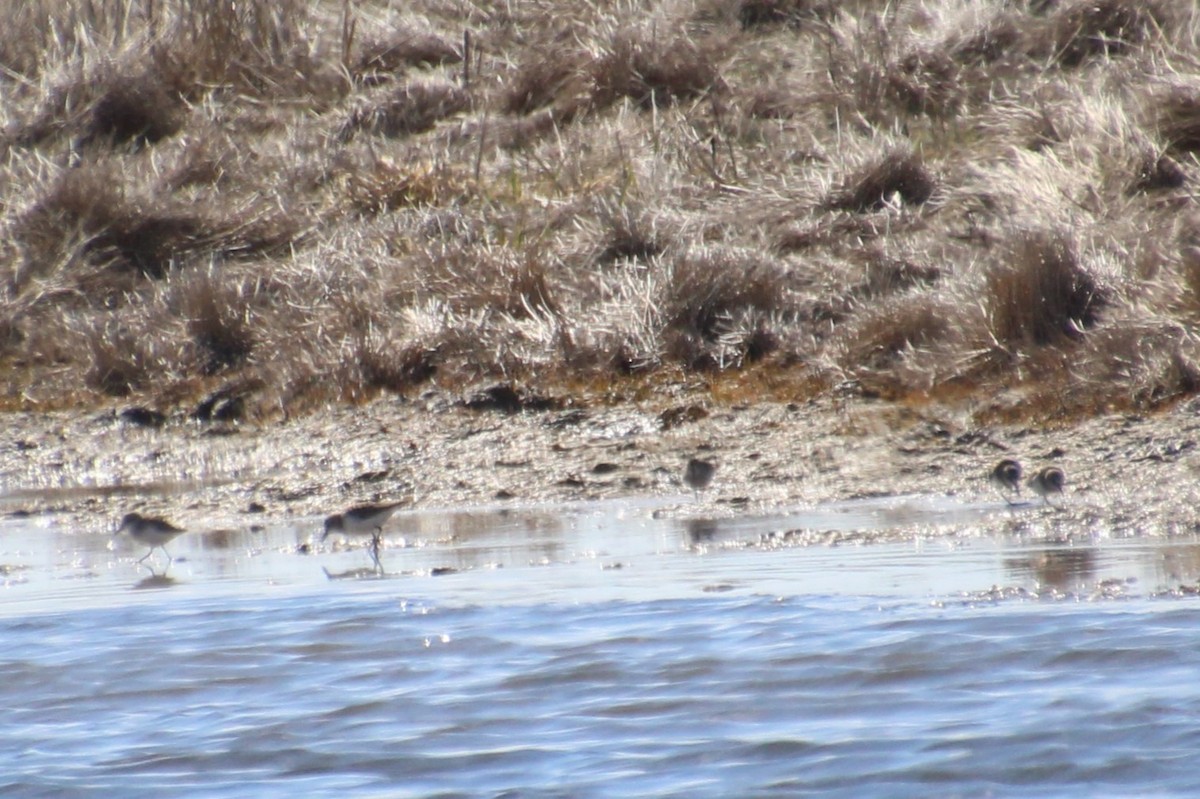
(170, 559)
(148, 566)
(375, 551)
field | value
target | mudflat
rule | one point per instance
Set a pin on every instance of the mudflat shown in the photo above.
(1126, 475)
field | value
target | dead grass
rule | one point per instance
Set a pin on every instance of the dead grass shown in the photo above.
(550, 77)
(257, 208)
(391, 55)
(139, 110)
(413, 108)
(1099, 29)
(1155, 172)
(1177, 120)
(123, 359)
(653, 70)
(1154, 359)
(218, 320)
(707, 288)
(1038, 294)
(756, 13)
(627, 232)
(891, 331)
(897, 177)
(381, 186)
(88, 205)
(258, 48)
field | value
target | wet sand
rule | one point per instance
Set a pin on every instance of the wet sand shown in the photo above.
(1127, 476)
(627, 549)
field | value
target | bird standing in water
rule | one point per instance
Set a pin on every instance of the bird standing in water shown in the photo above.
(363, 520)
(151, 531)
(1047, 482)
(698, 475)
(1007, 478)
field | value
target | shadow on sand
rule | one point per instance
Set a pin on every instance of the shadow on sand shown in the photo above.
(154, 581)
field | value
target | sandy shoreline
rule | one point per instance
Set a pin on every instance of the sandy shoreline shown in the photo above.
(1126, 475)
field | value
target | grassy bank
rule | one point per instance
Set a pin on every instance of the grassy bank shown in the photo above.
(287, 203)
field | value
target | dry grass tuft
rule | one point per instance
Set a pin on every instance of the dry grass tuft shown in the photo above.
(1156, 172)
(139, 109)
(1040, 294)
(147, 243)
(396, 370)
(651, 70)
(708, 289)
(1157, 362)
(90, 206)
(889, 332)
(757, 13)
(121, 361)
(391, 56)
(413, 108)
(897, 175)
(926, 82)
(490, 279)
(1089, 29)
(382, 186)
(996, 40)
(207, 160)
(218, 321)
(880, 75)
(554, 77)
(885, 275)
(1177, 120)
(627, 233)
(261, 49)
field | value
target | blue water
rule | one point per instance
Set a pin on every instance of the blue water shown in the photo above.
(370, 694)
(600, 651)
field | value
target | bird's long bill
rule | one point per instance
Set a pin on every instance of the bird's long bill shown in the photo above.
(328, 527)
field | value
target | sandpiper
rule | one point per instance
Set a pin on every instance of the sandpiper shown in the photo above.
(1007, 478)
(698, 475)
(363, 520)
(1046, 482)
(151, 531)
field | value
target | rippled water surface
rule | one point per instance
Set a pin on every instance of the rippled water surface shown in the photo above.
(605, 650)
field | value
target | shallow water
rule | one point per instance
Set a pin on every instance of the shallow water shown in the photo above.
(612, 649)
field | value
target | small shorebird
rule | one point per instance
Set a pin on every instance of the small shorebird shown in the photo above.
(1006, 477)
(698, 475)
(151, 531)
(1046, 482)
(363, 520)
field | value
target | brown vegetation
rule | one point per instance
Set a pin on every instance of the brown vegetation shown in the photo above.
(283, 204)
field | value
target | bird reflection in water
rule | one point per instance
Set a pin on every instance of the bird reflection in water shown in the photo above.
(700, 531)
(1061, 569)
